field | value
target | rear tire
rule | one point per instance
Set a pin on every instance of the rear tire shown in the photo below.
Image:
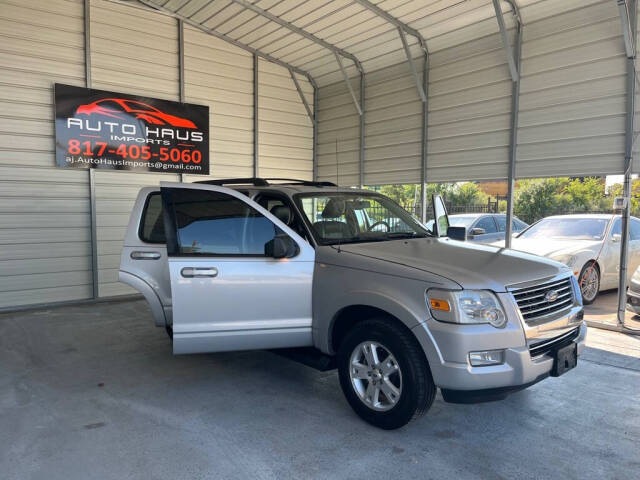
(589, 282)
(395, 389)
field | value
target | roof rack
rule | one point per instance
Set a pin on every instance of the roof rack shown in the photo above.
(265, 182)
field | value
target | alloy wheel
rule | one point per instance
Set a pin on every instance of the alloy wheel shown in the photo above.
(375, 376)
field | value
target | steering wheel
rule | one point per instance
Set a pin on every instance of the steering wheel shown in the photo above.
(381, 222)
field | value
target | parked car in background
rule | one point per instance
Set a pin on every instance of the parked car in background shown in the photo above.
(484, 227)
(633, 293)
(589, 244)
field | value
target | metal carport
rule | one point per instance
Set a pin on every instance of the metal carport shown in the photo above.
(390, 91)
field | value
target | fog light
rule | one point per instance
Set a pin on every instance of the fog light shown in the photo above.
(490, 357)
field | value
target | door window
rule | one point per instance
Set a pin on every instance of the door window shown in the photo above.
(214, 223)
(152, 224)
(487, 224)
(502, 223)
(634, 230)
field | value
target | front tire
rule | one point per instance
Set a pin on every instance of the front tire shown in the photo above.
(384, 374)
(589, 281)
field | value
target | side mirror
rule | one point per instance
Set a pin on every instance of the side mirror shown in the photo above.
(616, 237)
(457, 233)
(477, 231)
(281, 246)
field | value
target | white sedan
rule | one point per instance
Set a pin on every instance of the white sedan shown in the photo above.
(589, 244)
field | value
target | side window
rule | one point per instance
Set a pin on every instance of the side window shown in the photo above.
(488, 224)
(502, 223)
(617, 228)
(214, 223)
(634, 230)
(518, 225)
(152, 224)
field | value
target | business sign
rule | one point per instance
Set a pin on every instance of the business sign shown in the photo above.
(116, 131)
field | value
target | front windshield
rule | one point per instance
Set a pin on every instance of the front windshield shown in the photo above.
(567, 228)
(343, 217)
(461, 221)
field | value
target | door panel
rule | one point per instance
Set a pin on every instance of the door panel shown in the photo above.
(226, 294)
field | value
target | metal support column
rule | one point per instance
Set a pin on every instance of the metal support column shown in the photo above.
(315, 133)
(630, 32)
(361, 123)
(92, 178)
(514, 59)
(256, 150)
(181, 90)
(424, 139)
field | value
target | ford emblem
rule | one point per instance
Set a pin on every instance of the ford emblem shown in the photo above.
(551, 296)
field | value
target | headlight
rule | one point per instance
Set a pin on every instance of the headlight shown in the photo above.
(567, 259)
(466, 306)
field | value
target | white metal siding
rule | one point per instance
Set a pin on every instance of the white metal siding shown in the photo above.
(133, 51)
(45, 249)
(220, 75)
(393, 126)
(469, 105)
(285, 130)
(338, 131)
(572, 101)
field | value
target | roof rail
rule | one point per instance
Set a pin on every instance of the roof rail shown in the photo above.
(258, 182)
(301, 182)
(264, 182)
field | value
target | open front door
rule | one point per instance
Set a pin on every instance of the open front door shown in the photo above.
(240, 278)
(440, 217)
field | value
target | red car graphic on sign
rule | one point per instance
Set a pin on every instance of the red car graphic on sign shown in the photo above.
(121, 108)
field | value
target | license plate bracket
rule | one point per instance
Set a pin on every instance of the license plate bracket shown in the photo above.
(565, 359)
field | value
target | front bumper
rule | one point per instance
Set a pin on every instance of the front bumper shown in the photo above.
(633, 301)
(448, 345)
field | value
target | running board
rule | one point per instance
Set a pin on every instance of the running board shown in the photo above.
(309, 356)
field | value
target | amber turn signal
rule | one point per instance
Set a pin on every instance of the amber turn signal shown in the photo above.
(439, 305)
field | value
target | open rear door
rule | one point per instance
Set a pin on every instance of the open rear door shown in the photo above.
(240, 278)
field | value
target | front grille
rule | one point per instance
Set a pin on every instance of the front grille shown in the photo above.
(545, 346)
(534, 302)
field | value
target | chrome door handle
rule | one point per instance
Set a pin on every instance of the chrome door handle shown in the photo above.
(145, 255)
(195, 272)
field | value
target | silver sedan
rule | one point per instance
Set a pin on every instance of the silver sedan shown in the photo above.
(589, 244)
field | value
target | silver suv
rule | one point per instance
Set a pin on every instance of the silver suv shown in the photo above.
(339, 277)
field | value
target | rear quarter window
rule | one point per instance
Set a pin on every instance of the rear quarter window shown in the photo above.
(152, 224)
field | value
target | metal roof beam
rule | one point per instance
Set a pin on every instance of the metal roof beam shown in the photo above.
(412, 66)
(403, 29)
(348, 82)
(393, 21)
(309, 36)
(515, 74)
(302, 97)
(222, 36)
(625, 18)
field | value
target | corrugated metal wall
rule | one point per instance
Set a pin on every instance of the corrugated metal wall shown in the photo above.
(285, 130)
(132, 51)
(221, 76)
(45, 249)
(45, 219)
(572, 99)
(572, 103)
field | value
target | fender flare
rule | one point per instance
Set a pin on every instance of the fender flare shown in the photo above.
(148, 293)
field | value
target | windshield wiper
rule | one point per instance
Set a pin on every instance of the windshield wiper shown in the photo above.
(394, 235)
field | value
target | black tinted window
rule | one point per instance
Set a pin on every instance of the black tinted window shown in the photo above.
(487, 224)
(213, 223)
(152, 225)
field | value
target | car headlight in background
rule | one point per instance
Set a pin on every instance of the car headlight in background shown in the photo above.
(568, 259)
(466, 307)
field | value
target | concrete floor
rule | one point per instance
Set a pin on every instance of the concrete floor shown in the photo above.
(93, 392)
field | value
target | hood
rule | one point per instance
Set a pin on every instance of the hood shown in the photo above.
(552, 248)
(470, 265)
